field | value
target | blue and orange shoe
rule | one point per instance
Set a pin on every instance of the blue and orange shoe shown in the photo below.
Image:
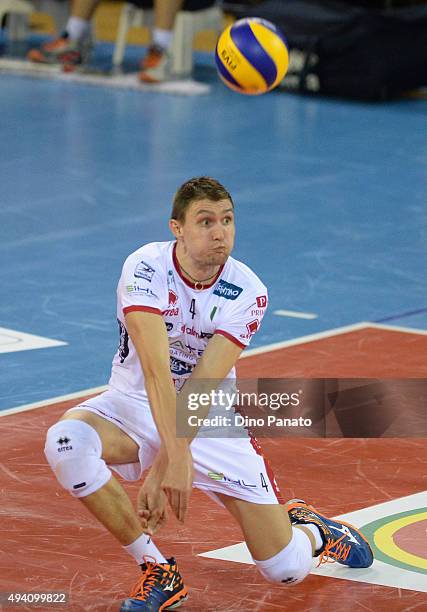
(342, 542)
(63, 51)
(160, 588)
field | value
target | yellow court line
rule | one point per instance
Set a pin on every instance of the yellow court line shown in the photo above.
(383, 538)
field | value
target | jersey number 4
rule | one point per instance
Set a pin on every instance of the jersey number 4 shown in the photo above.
(193, 308)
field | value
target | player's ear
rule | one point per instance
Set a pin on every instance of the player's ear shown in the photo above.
(175, 227)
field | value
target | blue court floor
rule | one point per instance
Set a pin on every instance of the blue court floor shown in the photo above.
(331, 200)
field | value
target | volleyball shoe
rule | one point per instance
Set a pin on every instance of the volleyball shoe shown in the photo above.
(160, 588)
(156, 67)
(62, 50)
(342, 542)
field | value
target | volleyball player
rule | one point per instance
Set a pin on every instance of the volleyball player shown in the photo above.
(186, 309)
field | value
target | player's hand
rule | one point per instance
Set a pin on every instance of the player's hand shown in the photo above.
(178, 481)
(152, 501)
(152, 508)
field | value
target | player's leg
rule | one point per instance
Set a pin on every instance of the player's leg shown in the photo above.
(281, 552)
(282, 539)
(73, 46)
(156, 65)
(79, 449)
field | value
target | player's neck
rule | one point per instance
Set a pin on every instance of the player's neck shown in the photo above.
(200, 275)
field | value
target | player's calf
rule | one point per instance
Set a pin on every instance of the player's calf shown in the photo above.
(73, 450)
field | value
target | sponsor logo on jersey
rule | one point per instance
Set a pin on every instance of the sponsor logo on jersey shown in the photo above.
(124, 342)
(173, 298)
(136, 289)
(227, 290)
(216, 475)
(239, 483)
(184, 350)
(257, 312)
(193, 332)
(171, 312)
(180, 368)
(261, 301)
(144, 270)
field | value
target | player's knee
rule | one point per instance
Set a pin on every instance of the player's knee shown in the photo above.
(292, 564)
(73, 450)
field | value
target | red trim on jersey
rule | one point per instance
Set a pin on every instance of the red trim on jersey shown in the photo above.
(230, 337)
(257, 448)
(188, 282)
(141, 309)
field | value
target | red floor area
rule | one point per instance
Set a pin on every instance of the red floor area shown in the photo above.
(364, 353)
(49, 542)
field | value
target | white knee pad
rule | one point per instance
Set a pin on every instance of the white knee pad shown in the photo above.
(292, 564)
(73, 450)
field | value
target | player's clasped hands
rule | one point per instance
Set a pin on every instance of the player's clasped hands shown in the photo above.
(170, 479)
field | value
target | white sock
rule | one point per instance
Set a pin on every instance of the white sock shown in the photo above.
(144, 547)
(316, 532)
(77, 28)
(162, 38)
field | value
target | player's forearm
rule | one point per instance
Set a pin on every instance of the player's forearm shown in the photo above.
(162, 398)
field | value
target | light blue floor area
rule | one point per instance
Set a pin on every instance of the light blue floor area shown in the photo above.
(330, 196)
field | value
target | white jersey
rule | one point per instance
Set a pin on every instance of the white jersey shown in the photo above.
(233, 305)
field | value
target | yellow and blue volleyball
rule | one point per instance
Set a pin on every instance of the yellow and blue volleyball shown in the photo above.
(251, 56)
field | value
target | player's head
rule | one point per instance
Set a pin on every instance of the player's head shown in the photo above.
(202, 221)
(200, 188)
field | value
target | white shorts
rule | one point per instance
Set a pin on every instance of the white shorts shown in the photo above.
(231, 466)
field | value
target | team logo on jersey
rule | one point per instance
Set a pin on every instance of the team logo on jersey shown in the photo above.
(227, 290)
(180, 368)
(173, 298)
(143, 270)
(261, 301)
(252, 328)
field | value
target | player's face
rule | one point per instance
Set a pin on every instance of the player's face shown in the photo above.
(207, 233)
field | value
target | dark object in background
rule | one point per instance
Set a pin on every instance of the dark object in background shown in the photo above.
(341, 49)
(189, 5)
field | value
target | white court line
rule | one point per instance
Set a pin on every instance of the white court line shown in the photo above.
(12, 341)
(54, 400)
(380, 573)
(295, 315)
(256, 351)
(397, 328)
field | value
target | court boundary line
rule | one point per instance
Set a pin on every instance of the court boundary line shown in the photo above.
(336, 331)
(53, 400)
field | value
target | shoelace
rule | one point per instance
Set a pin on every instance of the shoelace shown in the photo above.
(341, 551)
(148, 579)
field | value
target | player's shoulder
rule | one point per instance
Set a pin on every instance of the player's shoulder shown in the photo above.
(151, 253)
(243, 276)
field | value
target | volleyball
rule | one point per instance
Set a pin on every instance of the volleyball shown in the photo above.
(251, 56)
